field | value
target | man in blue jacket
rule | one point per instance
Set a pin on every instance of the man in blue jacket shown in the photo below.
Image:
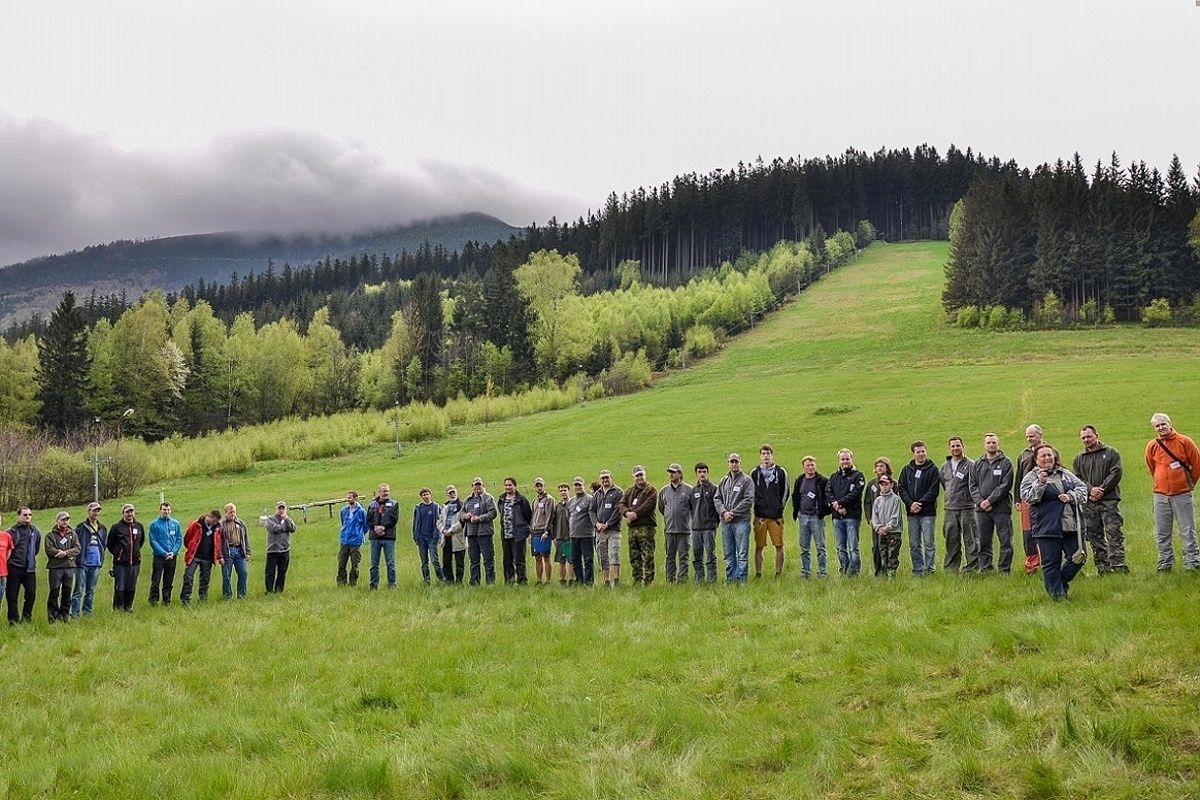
(354, 533)
(166, 537)
(93, 540)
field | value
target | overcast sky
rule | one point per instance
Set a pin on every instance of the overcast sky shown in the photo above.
(136, 118)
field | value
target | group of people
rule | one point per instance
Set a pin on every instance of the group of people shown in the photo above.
(75, 557)
(1061, 512)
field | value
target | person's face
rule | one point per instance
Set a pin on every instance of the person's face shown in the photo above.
(919, 455)
(675, 476)
(885, 487)
(991, 445)
(810, 467)
(881, 469)
(1045, 458)
(164, 510)
(956, 448)
(352, 498)
(639, 480)
(766, 457)
(1162, 427)
(426, 497)
(24, 516)
(1033, 437)
(128, 515)
(540, 488)
(1089, 438)
(563, 493)
(606, 481)
(579, 488)
(93, 515)
(477, 487)
(702, 474)
(846, 460)
(384, 492)
(510, 488)
(451, 495)
(231, 513)
(735, 466)
(212, 519)
(64, 523)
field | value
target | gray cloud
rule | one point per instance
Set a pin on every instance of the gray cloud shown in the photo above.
(65, 190)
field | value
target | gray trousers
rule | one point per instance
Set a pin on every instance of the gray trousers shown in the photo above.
(1182, 509)
(1104, 522)
(677, 556)
(962, 543)
(999, 522)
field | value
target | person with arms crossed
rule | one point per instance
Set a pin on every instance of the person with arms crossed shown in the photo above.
(810, 506)
(606, 520)
(583, 534)
(1055, 498)
(478, 517)
(62, 547)
(454, 541)
(637, 506)
(844, 492)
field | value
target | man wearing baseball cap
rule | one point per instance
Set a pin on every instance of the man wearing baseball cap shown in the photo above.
(478, 517)
(583, 534)
(734, 500)
(93, 537)
(125, 540)
(606, 520)
(675, 504)
(638, 507)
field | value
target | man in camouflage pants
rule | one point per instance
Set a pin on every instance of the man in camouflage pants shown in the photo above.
(1100, 466)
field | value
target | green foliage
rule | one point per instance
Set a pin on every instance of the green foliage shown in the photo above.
(630, 374)
(63, 366)
(18, 383)
(997, 318)
(968, 317)
(1048, 311)
(1088, 312)
(1157, 314)
(1108, 316)
(629, 274)
(700, 341)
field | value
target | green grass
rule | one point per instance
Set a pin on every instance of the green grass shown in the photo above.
(945, 687)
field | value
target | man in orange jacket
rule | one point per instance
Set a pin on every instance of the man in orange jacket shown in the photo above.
(1174, 463)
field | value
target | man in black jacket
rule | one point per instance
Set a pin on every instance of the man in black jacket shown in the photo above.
(918, 487)
(382, 516)
(844, 494)
(125, 540)
(771, 493)
(22, 566)
(810, 507)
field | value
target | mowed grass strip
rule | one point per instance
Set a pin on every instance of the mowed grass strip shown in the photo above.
(940, 687)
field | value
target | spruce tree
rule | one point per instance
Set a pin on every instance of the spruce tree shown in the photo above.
(63, 367)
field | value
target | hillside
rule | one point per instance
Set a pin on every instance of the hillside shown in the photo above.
(171, 263)
(949, 687)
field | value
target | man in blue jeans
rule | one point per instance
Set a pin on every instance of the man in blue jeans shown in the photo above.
(93, 537)
(810, 508)
(734, 500)
(844, 493)
(235, 540)
(382, 516)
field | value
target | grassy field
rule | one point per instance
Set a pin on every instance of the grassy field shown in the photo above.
(944, 687)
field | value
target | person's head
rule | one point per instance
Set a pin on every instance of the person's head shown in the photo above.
(701, 471)
(1033, 435)
(539, 486)
(230, 511)
(956, 447)
(510, 486)
(766, 455)
(62, 521)
(93, 512)
(885, 484)
(845, 458)
(426, 494)
(596, 486)
(606, 479)
(639, 476)
(1045, 456)
(809, 464)
(213, 517)
(451, 493)
(352, 498)
(385, 491)
(164, 510)
(578, 484)
(24, 515)
(735, 463)
(280, 508)
(564, 491)
(883, 466)
(919, 452)
(675, 474)
(1161, 424)
(1089, 437)
(128, 512)
(991, 444)
(477, 486)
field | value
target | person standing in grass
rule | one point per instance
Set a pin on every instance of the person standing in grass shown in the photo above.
(93, 537)
(583, 534)
(351, 538)
(606, 521)
(704, 521)
(887, 522)
(844, 492)
(638, 506)
(22, 567)
(166, 537)
(771, 492)
(919, 485)
(883, 466)
(1026, 463)
(62, 547)
(454, 543)
(1055, 499)
(6, 548)
(675, 504)
(382, 515)
(1174, 464)
(541, 537)
(280, 528)
(991, 485)
(958, 526)
(560, 524)
(427, 536)
(478, 516)
(236, 540)
(1099, 466)
(810, 506)
(125, 540)
(514, 513)
(734, 501)
(202, 547)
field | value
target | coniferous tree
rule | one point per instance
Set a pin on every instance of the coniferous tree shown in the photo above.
(63, 368)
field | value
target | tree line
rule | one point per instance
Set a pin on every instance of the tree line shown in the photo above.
(1060, 244)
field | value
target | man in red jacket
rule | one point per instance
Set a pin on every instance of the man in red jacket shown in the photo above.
(202, 549)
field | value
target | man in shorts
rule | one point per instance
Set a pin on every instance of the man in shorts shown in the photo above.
(771, 493)
(606, 520)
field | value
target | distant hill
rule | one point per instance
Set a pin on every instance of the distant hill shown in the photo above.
(171, 263)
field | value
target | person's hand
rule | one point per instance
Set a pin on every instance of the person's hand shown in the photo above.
(986, 505)
(1064, 497)
(1095, 494)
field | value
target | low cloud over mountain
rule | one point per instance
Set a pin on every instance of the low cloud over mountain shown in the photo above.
(65, 190)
